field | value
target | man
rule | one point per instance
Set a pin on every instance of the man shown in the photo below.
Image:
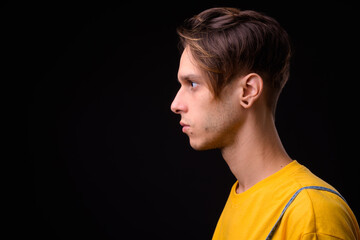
(233, 67)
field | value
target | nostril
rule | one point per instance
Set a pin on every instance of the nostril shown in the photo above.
(173, 107)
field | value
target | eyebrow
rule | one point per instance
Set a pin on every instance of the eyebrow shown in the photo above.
(188, 77)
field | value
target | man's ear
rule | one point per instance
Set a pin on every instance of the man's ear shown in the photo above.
(252, 86)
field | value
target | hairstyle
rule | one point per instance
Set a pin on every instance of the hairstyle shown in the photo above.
(228, 42)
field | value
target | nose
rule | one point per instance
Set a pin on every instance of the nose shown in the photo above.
(178, 106)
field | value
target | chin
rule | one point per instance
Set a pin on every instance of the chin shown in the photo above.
(202, 146)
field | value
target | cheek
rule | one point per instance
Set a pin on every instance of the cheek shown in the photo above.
(214, 117)
(222, 122)
(212, 122)
(214, 126)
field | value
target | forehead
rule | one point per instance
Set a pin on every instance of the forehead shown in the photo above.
(188, 67)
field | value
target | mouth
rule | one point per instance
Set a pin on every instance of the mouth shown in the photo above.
(185, 126)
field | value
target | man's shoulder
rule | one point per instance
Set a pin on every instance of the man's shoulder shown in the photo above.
(318, 210)
(322, 212)
(304, 177)
(320, 201)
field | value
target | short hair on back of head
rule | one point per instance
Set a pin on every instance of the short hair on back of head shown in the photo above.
(229, 42)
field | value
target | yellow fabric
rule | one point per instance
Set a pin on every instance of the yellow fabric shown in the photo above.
(313, 214)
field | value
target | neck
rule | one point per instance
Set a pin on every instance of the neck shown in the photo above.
(256, 152)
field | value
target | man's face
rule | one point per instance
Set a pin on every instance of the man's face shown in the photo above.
(209, 122)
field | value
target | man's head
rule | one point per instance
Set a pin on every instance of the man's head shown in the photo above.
(231, 58)
(228, 42)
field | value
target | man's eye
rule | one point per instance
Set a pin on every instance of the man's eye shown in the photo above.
(193, 84)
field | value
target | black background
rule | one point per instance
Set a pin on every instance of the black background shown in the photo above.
(105, 156)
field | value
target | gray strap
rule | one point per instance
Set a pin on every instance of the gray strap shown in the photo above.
(292, 199)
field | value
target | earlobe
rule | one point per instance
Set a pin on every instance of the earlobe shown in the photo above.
(252, 86)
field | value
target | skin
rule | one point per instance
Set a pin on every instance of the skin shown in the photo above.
(239, 123)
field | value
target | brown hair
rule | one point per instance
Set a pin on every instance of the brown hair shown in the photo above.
(228, 42)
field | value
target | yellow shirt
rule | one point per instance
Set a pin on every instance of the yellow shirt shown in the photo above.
(314, 214)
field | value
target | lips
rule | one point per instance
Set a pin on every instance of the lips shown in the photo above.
(185, 126)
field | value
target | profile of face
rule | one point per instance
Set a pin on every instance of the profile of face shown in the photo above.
(209, 122)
